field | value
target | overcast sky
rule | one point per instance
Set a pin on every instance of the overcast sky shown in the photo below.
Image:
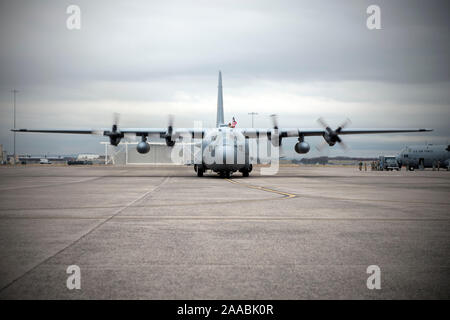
(299, 59)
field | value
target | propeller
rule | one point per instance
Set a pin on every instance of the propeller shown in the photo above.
(275, 126)
(274, 121)
(332, 136)
(116, 118)
(114, 135)
(169, 141)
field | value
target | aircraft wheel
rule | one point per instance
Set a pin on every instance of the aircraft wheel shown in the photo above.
(227, 174)
(245, 173)
(199, 172)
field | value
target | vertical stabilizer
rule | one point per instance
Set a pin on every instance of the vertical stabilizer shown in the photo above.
(220, 119)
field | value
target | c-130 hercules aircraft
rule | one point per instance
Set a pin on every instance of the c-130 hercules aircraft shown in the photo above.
(224, 149)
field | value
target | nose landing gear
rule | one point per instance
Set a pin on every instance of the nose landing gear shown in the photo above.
(225, 174)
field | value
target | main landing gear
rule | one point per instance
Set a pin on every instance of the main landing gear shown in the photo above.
(199, 170)
(246, 171)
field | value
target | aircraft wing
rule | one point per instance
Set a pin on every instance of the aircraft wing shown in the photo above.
(374, 131)
(84, 131)
(155, 132)
(199, 132)
(162, 132)
(297, 132)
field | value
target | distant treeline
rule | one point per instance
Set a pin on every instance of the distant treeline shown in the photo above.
(325, 160)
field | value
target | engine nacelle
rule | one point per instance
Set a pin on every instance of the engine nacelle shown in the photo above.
(331, 142)
(169, 141)
(143, 147)
(114, 140)
(302, 147)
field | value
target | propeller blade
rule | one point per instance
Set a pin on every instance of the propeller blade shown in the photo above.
(170, 124)
(322, 123)
(275, 127)
(346, 123)
(115, 125)
(321, 146)
(98, 132)
(169, 141)
(130, 137)
(274, 121)
(344, 146)
(116, 118)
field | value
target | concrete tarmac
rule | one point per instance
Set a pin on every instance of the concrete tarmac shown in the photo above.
(163, 233)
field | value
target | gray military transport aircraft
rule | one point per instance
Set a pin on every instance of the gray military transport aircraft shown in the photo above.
(225, 149)
(425, 156)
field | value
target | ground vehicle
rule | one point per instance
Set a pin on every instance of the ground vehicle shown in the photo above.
(388, 163)
(44, 161)
(79, 162)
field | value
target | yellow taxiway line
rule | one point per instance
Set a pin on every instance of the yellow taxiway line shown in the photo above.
(285, 194)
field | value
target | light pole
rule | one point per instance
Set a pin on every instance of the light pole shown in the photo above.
(14, 91)
(253, 114)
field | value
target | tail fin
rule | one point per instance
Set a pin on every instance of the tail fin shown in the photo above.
(220, 118)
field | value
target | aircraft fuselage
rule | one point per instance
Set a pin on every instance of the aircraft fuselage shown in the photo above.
(225, 150)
